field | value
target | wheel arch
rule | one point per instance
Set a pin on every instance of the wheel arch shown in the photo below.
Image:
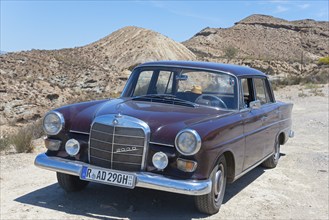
(230, 164)
(281, 137)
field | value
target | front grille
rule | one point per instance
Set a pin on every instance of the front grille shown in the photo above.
(117, 147)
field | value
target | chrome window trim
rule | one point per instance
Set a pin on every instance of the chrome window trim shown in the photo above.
(123, 121)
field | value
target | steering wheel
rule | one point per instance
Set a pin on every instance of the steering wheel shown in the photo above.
(202, 99)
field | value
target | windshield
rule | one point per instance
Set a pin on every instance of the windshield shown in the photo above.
(213, 89)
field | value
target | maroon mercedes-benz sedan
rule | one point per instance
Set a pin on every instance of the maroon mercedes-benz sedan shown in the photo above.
(182, 127)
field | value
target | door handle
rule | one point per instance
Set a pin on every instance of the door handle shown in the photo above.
(264, 118)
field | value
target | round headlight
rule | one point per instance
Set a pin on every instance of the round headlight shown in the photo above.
(72, 147)
(160, 160)
(53, 123)
(188, 142)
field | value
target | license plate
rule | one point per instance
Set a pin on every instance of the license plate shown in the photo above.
(106, 176)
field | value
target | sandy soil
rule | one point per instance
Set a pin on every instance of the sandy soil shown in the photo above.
(296, 189)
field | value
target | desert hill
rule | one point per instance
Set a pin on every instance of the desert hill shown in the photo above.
(32, 82)
(129, 46)
(266, 38)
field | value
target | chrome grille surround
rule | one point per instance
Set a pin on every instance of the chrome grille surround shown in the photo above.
(112, 131)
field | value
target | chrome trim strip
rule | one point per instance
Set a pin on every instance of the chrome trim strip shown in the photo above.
(128, 136)
(156, 143)
(107, 151)
(134, 155)
(116, 152)
(106, 142)
(127, 163)
(112, 146)
(78, 132)
(252, 167)
(143, 179)
(100, 158)
(118, 135)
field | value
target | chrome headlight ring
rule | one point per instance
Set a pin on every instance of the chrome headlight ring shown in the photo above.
(53, 123)
(188, 142)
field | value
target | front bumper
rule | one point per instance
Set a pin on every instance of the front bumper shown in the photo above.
(143, 179)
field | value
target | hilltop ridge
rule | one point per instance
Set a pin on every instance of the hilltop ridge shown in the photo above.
(32, 82)
(265, 37)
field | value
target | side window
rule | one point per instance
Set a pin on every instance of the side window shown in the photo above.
(164, 83)
(143, 83)
(262, 93)
(247, 95)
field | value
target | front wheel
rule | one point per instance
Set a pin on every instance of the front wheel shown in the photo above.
(71, 183)
(210, 203)
(272, 161)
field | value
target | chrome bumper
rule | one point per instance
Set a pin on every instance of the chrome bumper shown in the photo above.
(143, 179)
(291, 133)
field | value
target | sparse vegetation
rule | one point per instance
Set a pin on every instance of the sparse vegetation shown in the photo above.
(4, 143)
(320, 78)
(230, 52)
(133, 66)
(22, 139)
(324, 60)
(302, 94)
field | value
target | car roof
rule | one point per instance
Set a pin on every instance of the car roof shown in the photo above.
(233, 69)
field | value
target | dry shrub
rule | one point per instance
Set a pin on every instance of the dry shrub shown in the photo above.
(22, 139)
(4, 143)
(319, 78)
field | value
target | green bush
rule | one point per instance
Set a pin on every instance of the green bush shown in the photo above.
(230, 52)
(324, 60)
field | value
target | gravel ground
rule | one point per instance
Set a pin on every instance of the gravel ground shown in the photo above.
(296, 189)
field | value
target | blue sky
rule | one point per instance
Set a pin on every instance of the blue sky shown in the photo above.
(27, 25)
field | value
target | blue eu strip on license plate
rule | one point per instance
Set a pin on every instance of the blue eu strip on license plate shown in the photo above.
(107, 176)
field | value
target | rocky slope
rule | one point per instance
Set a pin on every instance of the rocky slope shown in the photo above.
(130, 46)
(32, 82)
(265, 38)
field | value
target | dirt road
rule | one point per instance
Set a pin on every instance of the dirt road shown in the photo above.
(296, 189)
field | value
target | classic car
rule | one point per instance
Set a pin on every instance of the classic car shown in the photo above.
(179, 126)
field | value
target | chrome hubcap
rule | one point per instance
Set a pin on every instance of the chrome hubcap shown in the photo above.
(219, 182)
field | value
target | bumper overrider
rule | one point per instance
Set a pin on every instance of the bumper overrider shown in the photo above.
(143, 179)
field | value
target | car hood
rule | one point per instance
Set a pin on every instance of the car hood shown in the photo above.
(164, 120)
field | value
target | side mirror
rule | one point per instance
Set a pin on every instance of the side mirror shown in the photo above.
(255, 104)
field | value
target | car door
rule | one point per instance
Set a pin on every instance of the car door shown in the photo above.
(270, 116)
(252, 125)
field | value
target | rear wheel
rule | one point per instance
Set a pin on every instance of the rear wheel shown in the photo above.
(272, 161)
(70, 183)
(210, 203)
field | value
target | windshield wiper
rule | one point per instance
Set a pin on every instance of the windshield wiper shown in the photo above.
(165, 98)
